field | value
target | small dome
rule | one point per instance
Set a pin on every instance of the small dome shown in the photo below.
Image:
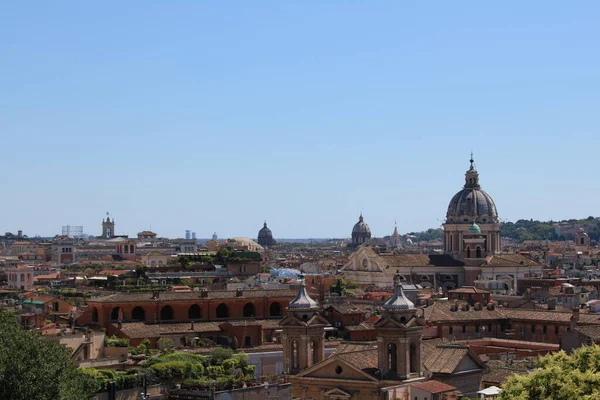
(361, 226)
(265, 237)
(398, 301)
(303, 301)
(265, 232)
(474, 228)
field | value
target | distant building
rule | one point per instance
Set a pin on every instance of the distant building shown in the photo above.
(108, 228)
(395, 239)
(215, 237)
(188, 234)
(194, 235)
(146, 235)
(360, 232)
(265, 236)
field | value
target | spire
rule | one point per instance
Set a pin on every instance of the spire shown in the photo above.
(398, 301)
(472, 176)
(360, 218)
(302, 300)
(265, 225)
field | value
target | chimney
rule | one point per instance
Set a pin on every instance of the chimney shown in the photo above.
(239, 292)
(203, 293)
(156, 295)
(465, 307)
(574, 319)
(454, 306)
(551, 304)
(192, 325)
(477, 307)
(490, 306)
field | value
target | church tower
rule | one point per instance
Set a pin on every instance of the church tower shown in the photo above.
(303, 331)
(108, 228)
(395, 239)
(472, 216)
(399, 335)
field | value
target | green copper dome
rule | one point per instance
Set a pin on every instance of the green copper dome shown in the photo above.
(474, 228)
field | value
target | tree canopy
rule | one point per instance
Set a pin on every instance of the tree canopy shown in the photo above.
(559, 376)
(32, 368)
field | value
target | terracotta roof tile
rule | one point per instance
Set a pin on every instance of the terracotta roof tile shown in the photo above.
(433, 387)
(445, 358)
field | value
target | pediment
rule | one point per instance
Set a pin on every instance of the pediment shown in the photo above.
(326, 370)
(290, 320)
(390, 323)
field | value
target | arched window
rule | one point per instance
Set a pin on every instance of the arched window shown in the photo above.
(166, 313)
(478, 252)
(392, 357)
(138, 314)
(295, 364)
(275, 310)
(116, 314)
(95, 315)
(582, 241)
(468, 252)
(315, 351)
(195, 312)
(249, 310)
(222, 311)
(365, 263)
(413, 357)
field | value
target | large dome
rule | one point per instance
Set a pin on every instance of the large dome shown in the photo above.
(361, 226)
(472, 204)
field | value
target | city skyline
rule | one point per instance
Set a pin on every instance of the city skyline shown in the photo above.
(216, 117)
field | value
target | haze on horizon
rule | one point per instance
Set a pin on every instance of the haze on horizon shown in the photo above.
(215, 116)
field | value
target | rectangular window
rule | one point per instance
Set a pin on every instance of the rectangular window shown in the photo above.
(464, 329)
(476, 328)
(490, 328)
(533, 328)
(545, 329)
(556, 330)
(451, 330)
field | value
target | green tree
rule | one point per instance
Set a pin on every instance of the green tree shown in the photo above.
(32, 368)
(559, 377)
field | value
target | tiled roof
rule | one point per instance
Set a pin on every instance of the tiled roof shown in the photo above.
(265, 323)
(348, 347)
(183, 296)
(135, 330)
(366, 360)
(347, 309)
(364, 326)
(440, 312)
(593, 332)
(445, 358)
(507, 260)
(433, 387)
(499, 375)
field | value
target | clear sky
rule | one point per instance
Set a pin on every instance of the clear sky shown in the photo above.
(214, 116)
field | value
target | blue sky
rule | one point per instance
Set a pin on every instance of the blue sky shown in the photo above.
(214, 116)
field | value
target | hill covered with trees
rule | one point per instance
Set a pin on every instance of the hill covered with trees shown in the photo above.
(529, 229)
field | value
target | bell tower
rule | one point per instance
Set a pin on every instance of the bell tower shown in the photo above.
(303, 331)
(108, 228)
(399, 335)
